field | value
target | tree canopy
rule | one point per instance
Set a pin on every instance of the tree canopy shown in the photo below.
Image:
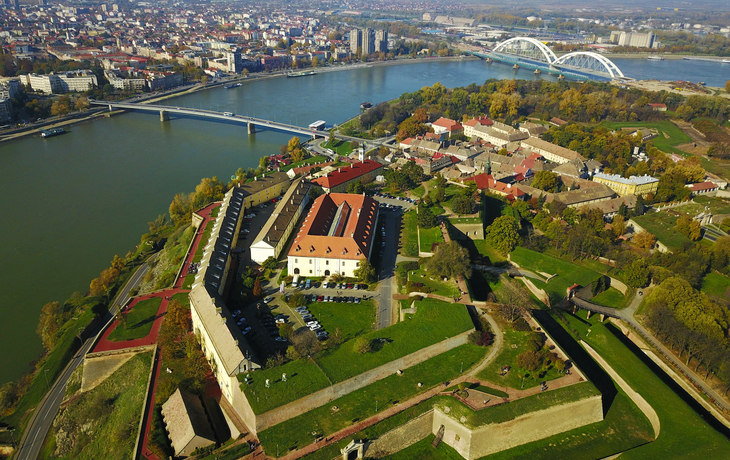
(450, 260)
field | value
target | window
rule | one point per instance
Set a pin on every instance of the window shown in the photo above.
(296, 261)
(310, 272)
(343, 264)
(310, 261)
(327, 262)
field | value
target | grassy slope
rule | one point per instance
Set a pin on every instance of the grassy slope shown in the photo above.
(139, 321)
(112, 435)
(715, 284)
(611, 297)
(433, 322)
(429, 236)
(296, 432)
(409, 241)
(676, 135)
(684, 433)
(661, 225)
(567, 272)
(352, 319)
(444, 288)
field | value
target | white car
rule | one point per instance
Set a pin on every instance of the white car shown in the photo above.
(268, 299)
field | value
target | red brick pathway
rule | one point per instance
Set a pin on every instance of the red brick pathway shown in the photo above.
(105, 344)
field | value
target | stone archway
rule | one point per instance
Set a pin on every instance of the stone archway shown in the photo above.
(326, 273)
(296, 271)
(353, 451)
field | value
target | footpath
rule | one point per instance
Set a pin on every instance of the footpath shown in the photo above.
(104, 344)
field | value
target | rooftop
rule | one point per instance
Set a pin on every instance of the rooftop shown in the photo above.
(347, 174)
(632, 180)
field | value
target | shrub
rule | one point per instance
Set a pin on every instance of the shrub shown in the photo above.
(521, 325)
(362, 345)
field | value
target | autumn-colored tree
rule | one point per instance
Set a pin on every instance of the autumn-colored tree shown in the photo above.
(257, 288)
(644, 240)
(178, 316)
(61, 107)
(618, 225)
(727, 86)
(181, 208)
(49, 324)
(82, 103)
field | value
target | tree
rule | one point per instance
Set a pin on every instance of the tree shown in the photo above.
(82, 103)
(451, 260)
(503, 234)
(355, 187)
(331, 139)
(637, 274)
(365, 272)
(257, 288)
(362, 345)
(269, 264)
(61, 107)
(618, 225)
(49, 324)
(297, 300)
(157, 224)
(426, 219)
(463, 204)
(315, 62)
(293, 144)
(547, 181)
(644, 240)
(291, 352)
(689, 227)
(354, 145)
(286, 330)
(727, 86)
(530, 360)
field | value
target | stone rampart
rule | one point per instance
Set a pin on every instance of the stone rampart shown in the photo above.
(402, 437)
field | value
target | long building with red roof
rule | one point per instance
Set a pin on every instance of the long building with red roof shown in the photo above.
(337, 181)
(337, 234)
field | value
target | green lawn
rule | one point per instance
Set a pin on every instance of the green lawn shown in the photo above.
(508, 357)
(429, 236)
(139, 321)
(444, 288)
(717, 205)
(433, 322)
(451, 191)
(296, 433)
(465, 220)
(715, 284)
(409, 239)
(661, 225)
(611, 297)
(352, 319)
(203, 241)
(308, 161)
(684, 433)
(188, 281)
(568, 273)
(422, 450)
(419, 191)
(113, 410)
(487, 250)
(340, 147)
(666, 144)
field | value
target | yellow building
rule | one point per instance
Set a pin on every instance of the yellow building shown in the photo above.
(264, 188)
(626, 186)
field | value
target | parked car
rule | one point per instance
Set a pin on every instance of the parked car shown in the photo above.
(280, 339)
(268, 299)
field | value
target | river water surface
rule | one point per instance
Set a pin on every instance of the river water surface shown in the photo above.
(71, 202)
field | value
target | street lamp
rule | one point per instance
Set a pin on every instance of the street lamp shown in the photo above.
(45, 374)
(462, 367)
(376, 405)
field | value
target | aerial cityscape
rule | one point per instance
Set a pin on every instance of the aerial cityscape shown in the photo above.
(341, 230)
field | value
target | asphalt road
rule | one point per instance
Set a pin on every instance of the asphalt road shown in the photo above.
(42, 419)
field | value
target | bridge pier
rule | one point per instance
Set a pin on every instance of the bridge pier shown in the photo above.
(251, 128)
(164, 115)
(111, 109)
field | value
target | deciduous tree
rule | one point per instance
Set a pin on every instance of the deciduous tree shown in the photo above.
(450, 260)
(503, 234)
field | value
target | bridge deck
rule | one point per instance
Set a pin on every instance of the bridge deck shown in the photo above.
(258, 122)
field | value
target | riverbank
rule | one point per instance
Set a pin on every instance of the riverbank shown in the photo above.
(666, 56)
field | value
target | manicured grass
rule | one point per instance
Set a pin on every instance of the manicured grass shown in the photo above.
(352, 319)
(661, 225)
(568, 273)
(444, 288)
(611, 297)
(419, 191)
(359, 405)
(409, 238)
(422, 450)
(203, 241)
(465, 220)
(486, 250)
(188, 281)
(667, 144)
(139, 321)
(308, 161)
(715, 284)
(214, 212)
(512, 410)
(508, 357)
(113, 410)
(433, 322)
(623, 428)
(684, 433)
(717, 205)
(339, 147)
(429, 236)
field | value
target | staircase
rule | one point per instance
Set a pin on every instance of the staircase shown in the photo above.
(439, 436)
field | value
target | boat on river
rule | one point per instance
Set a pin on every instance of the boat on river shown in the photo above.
(52, 132)
(232, 85)
(301, 74)
(655, 58)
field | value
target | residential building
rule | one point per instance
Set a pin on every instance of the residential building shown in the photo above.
(447, 127)
(551, 152)
(533, 129)
(356, 41)
(499, 187)
(276, 231)
(499, 134)
(6, 108)
(702, 187)
(381, 41)
(473, 123)
(186, 423)
(337, 235)
(581, 193)
(368, 42)
(337, 181)
(9, 88)
(54, 83)
(264, 188)
(633, 185)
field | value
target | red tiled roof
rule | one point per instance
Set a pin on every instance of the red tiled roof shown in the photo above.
(486, 181)
(657, 105)
(484, 121)
(700, 186)
(353, 233)
(347, 174)
(450, 125)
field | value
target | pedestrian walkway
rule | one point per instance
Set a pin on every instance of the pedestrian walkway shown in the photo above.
(166, 295)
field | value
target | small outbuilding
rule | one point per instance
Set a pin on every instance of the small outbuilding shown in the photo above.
(186, 423)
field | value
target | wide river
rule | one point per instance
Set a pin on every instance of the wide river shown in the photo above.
(70, 203)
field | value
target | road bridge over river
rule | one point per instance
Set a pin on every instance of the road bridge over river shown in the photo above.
(252, 123)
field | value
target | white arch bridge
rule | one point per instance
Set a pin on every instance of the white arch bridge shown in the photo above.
(532, 53)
